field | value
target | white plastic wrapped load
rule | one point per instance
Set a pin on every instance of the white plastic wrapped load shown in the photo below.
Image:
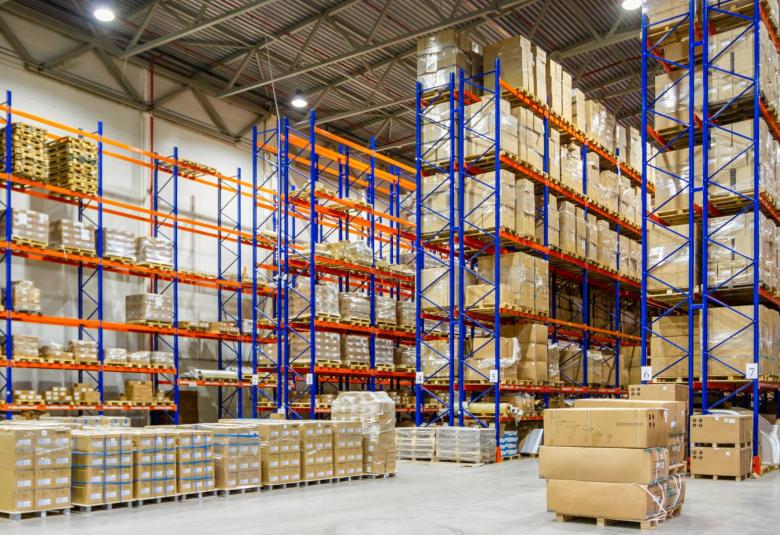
(119, 245)
(70, 235)
(153, 308)
(327, 348)
(354, 308)
(465, 444)
(326, 301)
(405, 314)
(416, 443)
(385, 311)
(383, 352)
(355, 349)
(376, 413)
(404, 357)
(154, 251)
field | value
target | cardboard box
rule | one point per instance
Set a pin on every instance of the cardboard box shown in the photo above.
(609, 428)
(610, 465)
(676, 416)
(616, 501)
(708, 461)
(659, 392)
(721, 429)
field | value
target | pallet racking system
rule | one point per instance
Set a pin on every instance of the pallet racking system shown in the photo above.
(164, 220)
(454, 244)
(329, 194)
(707, 118)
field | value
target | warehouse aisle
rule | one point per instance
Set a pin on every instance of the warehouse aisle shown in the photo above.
(424, 499)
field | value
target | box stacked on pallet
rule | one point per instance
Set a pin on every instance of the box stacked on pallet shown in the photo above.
(326, 301)
(404, 358)
(385, 311)
(36, 468)
(84, 351)
(152, 308)
(376, 413)
(119, 245)
(355, 350)
(354, 307)
(347, 448)
(508, 444)
(416, 443)
(72, 236)
(722, 445)
(316, 450)
(327, 347)
(102, 466)
(154, 467)
(25, 297)
(28, 152)
(73, 164)
(405, 315)
(236, 453)
(441, 55)
(465, 444)
(154, 252)
(383, 353)
(27, 227)
(524, 283)
(609, 464)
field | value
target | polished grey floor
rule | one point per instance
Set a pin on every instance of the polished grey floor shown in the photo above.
(426, 499)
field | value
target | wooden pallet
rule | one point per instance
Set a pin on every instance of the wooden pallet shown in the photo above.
(20, 515)
(355, 321)
(718, 477)
(643, 524)
(357, 365)
(75, 250)
(403, 368)
(29, 242)
(387, 326)
(119, 259)
(148, 323)
(155, 265)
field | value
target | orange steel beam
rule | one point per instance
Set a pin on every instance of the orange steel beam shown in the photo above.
(365, 150)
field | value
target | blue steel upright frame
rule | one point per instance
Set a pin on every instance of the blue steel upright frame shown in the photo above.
(229, 302)
(267, 161)
(719, 350)
(7, 333)
(468, 170)
(434, 315)
(680, 297)
(165, 224)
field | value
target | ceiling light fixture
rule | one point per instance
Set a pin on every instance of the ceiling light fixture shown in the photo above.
(104, 14)
(631, 5)
(298, 101)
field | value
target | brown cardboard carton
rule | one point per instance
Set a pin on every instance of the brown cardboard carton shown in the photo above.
(721, 429)
(659, 391)
(17, 479)
(617, 501)
(608, 428)
(736, 461)
(675, 415)
(16, 501)
(610, 465)
(17, 439)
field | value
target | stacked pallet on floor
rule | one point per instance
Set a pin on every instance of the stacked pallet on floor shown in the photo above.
(416, 443)
(722, 446)
(609, 464)
(375, 412)
(472, 445)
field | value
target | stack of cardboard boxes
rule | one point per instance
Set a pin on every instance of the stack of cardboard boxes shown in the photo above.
(27, 226)
(154, 463)
(119, 245)
(347, 448)
(316, 450)
(375, 412)
(149, 308)
(155, 252)
(722, 445)
(237, 459)
(103, 466)
(36, 470)
(194, 460)
(72, 236)
(25, 297)
(609, 464)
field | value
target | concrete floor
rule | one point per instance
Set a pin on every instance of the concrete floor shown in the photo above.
(428, 499)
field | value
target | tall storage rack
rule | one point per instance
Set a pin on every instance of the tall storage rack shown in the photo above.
(448, 240)
(164, 220)
(741, 292)
(317, 205)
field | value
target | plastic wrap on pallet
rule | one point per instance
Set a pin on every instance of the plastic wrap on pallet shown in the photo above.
(607, 188)
(51, 350)
(598, 122)
(517, 63)
(480, 128)
(579, 116)
(237, 453)
(530, 133)
(405, 356)
(667, 258)
(139, 358)
(730, 344)
(161, 359)
(25, 296)
(149, 307)
(435, 360)
(327, 347)
(405, 314)
(415, 442)
(156, 251)
(354, 307)
(441, 55)
(730, 257)
(376, 413)
(194, 459)
(553, 361)
(115, 356)
(102, 466)
(27, 225)
(436, 134)
(571, 166)
(383, 351)
(479, 209)
(465, 444)
(525, 208)
(83, 350)
(355, 348)
(516, 278)
(28, 148)
(154, 466)
(119, 243)
(23, 346)
(629, 197)
(568, 227)
(608, 245)
(326, 300)
(553, 222)
(72, 235)
(482, 359)
(385, 310)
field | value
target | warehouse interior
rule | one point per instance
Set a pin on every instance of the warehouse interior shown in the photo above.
(494, 265)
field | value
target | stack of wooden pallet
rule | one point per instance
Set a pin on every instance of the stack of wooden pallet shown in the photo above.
(28, 147)
(73, 164)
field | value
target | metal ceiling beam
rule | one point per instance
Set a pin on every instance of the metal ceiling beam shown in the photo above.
(150, 11)
(369, 109)
(592, 45)
(212, 113)
(16, 44)
(497, 7)
(194, 28)
(66, 56)
(117, 75)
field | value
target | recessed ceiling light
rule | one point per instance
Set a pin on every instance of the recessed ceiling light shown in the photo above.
(630, 5)
(298, 101)
(104, 14)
